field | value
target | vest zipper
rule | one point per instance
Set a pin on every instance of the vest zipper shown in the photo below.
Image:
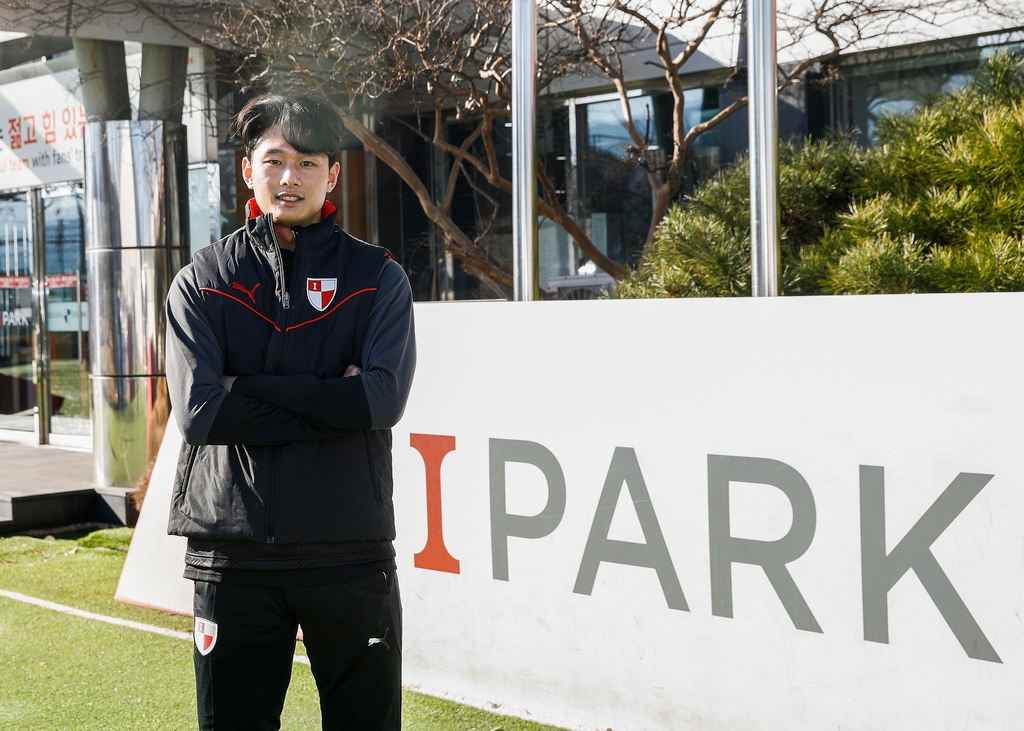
(189, 462)
(374, 481)
(286, 300)
(272, 494)
(275, 451)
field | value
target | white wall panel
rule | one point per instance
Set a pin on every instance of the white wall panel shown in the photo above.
(926, 387)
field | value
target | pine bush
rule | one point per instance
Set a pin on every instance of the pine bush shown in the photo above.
(936, 206)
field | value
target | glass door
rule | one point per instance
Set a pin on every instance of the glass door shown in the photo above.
(67, 316)
(17, 389)
(67, 310)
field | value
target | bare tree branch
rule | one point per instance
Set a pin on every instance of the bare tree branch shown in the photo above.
(444, 60)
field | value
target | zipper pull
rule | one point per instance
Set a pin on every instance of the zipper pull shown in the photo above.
(287, 300)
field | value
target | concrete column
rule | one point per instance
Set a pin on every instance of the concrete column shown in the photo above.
(104, 79)
(162, 92)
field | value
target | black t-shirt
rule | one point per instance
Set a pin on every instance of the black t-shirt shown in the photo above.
(288, 263)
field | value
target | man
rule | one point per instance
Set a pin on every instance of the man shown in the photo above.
(290, 353)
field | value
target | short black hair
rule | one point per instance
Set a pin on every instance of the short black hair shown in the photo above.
(309, 122)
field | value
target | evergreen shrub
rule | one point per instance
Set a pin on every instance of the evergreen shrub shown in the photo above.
(936, 206)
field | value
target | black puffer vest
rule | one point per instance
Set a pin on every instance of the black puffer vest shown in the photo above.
(327, 491)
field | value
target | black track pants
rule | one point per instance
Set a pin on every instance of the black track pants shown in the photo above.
(353, 636)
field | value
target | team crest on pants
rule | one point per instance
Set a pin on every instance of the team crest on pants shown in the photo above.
(321, 292)
(205, 635)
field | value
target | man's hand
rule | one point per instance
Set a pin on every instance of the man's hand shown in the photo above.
(352, 370)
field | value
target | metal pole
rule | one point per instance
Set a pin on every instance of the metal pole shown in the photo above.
(78, 304)
(764, 148)
(41, 331)
(524, 152)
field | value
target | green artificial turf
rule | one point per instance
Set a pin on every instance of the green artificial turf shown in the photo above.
(59, 672)
(81, 573)
(65, 673)
(70, 379)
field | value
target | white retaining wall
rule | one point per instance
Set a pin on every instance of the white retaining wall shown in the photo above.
(778, 515)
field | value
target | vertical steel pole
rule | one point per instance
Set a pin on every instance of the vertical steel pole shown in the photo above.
(41, 329)
(524, 152)
(764, 148)
(78, 304)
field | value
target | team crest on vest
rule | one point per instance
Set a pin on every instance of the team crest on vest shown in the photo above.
(321, 292)
(205, 635)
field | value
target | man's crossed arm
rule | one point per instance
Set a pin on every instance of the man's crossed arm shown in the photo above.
(265, 409)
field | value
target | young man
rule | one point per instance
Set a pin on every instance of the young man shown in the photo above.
(290, 353)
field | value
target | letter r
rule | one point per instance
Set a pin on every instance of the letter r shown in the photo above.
(772, 556)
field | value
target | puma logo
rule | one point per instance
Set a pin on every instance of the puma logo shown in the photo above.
(250, 292)
(379, 640)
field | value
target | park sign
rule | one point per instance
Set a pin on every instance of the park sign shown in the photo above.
(779, 514)
(41, 122)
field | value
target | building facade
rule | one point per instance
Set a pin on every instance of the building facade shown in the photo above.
(46, 334)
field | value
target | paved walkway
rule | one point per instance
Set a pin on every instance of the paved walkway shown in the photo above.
(35, 470)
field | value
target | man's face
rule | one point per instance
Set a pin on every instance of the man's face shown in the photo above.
(287, 183)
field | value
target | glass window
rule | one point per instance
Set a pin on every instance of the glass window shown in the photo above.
(699, 106)
(877, 92)
(67, 309)
(900, 86)
(17, 391)
(615, 199)
(556, 256)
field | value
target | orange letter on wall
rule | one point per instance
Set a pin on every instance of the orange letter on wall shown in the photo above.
(433, 448)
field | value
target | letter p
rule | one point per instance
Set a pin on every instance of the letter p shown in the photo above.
(503, 524)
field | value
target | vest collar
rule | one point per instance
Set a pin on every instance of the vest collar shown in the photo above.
(312, 237)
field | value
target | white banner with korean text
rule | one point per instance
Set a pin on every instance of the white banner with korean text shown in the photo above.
(41, 122)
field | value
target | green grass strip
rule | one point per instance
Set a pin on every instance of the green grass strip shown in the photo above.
(63, 672)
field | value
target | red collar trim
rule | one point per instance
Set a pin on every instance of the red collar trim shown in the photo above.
(253, 209)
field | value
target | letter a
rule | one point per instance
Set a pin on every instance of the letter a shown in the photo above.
(653, 554)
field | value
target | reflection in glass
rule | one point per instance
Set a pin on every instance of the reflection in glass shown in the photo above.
(17, 392)
(67, 309)
(880, 92)
(615, 197)
(615, 194)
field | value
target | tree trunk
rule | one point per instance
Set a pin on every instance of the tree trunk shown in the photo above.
(474, 259)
